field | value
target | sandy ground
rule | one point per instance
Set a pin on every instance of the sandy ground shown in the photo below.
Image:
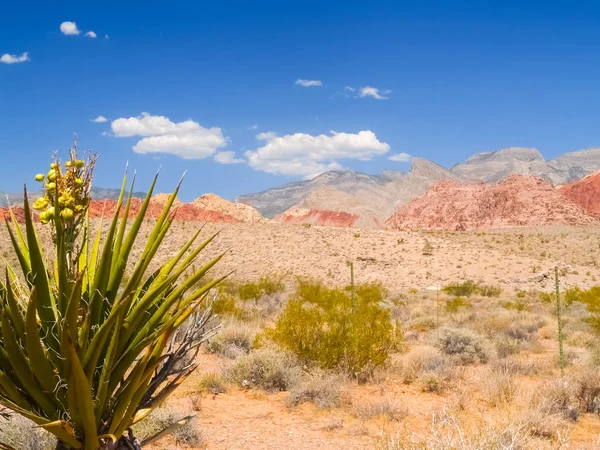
(512, 258)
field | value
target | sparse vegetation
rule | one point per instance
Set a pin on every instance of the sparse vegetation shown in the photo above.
(464, 345)
(265, 369)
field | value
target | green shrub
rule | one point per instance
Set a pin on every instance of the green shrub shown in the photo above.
(213, 383)
(465, 289)
(518, 305)
(266, 285)
(335, 329)
(489, 290)
(454, 304)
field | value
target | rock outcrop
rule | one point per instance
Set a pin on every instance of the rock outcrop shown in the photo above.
(585, 193)
(516, 201)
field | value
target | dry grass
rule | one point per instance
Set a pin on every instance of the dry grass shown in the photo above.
(320, 389)
(392, 408)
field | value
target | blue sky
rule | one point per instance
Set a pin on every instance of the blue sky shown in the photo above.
(459, 78)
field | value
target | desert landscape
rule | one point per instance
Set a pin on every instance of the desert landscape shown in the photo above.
(445, 288)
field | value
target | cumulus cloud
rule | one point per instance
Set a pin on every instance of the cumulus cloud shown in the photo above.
(14, 59)
(227, 157)
(369, 91)
(308, 83)
(307, 155)
(69, 28)
(91, 34)
(99, 119)
(187, 139)
(400, 157)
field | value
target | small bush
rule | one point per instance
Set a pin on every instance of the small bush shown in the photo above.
(506, 346)
(465, 345)
(322, 390)
(335, 329)
(386, 407)
(454, 304)
(500, 386)
(489, 290)
(465, 289)
(432, 371)
(234, 340)
(213, 383)
(266, 369)
(518, 305)
(587, 390)
(266, 285)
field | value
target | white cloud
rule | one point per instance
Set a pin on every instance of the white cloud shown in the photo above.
(99, 119)
(228, 157)
(14, 59)
(187, 139)
(69, 28)
(253, 127)
(368, 91)
(308, 83)
(307, 155)
(349, 88)
(400, 157)
(91, 34)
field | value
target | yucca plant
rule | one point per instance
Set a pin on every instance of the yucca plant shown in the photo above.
(86, 352)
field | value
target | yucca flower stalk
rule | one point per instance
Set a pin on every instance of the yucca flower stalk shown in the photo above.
(85, 352)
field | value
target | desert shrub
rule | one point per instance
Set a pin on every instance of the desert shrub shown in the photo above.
(234, 340)
(213, 383)
(516, 367)
(489, 290)
(321, 389)
(161, 418)
(429, 369)
(448, 431)
(391, 408)
(329, 327)
(591, 298)
(266, 369)
(587, 390)
(454, 304)
(506, 346)
(500, 386)
(465, 289)
(518, 305)
(556, 397)
(22, 434)
(266, 285)
(423, 324)
(224, 304)
(465, 345)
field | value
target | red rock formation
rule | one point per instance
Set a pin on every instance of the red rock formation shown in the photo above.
(585, 193)
(318, 217)
(516, 201)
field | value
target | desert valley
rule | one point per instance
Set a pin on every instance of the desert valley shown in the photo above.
(461, 263)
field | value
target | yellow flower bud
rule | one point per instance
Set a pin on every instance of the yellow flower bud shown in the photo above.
(50, 212)
(53, 166)
(66, 213)
(51, 186)
(44, 217)
(51, 175)
(40, 203)
(68, 164)
(79, 208)
(79, 163)
(39, 177)
(78, 182)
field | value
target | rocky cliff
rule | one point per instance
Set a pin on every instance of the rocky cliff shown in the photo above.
(515, 201)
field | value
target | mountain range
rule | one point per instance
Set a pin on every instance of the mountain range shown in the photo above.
(368, 200)
(97, 193)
